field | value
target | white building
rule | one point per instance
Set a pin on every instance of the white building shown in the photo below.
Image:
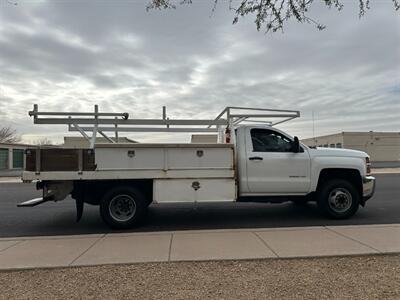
(381, 146)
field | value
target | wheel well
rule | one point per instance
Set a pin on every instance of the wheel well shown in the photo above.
(351, 175)
(92, 191)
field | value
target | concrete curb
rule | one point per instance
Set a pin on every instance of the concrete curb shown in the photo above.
(194, 231)
(386, 171)
(202, 245)
(11, 180)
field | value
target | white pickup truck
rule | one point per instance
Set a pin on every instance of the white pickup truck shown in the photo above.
(249, 162)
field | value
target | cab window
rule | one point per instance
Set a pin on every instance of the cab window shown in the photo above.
(265, 140)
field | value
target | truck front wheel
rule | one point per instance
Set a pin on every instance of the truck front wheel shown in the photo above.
(338, 199)
(123, 207)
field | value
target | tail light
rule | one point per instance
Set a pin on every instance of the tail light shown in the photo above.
(227, 135)
(368, 165)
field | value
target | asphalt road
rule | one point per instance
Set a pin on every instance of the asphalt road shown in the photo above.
(59, 218)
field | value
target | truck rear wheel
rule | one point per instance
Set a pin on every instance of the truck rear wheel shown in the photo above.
(338, 199)
(123, 207)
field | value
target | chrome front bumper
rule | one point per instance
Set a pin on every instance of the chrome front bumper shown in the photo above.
(368, 187)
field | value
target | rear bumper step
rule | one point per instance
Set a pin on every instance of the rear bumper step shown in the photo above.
(33, 202)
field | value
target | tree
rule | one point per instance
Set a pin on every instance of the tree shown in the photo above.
(8, 135)
(273, 14)
(43, 142)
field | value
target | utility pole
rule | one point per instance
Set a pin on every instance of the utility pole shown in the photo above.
(313, 128)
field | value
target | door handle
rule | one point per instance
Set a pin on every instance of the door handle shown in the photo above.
(255, 158)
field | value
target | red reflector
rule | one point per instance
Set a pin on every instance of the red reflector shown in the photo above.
(227, 135)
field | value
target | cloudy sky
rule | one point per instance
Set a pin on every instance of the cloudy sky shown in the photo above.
(70, 55)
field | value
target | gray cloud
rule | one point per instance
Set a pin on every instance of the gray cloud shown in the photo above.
(69, 55)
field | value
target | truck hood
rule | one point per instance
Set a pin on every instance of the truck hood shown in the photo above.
(337, 152)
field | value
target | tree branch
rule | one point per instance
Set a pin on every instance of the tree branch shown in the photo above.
(272, 15)
(8, 135)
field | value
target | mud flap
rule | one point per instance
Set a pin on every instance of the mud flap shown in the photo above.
(79, 208)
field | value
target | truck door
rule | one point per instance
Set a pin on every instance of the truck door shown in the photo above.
(272, 166)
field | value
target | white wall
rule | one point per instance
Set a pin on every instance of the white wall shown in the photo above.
(381, 146)
(322, 141)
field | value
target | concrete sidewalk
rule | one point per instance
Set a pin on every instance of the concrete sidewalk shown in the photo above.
(83, 250)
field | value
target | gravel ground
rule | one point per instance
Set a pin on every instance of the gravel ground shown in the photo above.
(364, 277)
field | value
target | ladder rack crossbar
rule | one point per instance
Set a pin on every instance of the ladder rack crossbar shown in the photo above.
(261, 116)
(146, 129)
(33, 113)
(36, 113)
(237, 118)
(178, 122)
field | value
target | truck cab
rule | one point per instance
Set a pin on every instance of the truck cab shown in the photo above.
(274, 165)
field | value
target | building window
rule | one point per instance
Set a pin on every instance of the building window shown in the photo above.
(3, 159)
(326, 146)
(332, 145)
(339, 145)
(18, 158)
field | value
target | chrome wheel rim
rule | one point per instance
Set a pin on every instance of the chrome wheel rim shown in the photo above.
(340, 200)
(122, 208)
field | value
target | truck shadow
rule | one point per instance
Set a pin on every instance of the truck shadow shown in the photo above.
(237, 215)
(60, 219)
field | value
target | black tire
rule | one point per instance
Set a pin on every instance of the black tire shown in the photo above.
(123, 207)
(338, 199)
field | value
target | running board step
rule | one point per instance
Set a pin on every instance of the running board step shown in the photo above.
(33, 202)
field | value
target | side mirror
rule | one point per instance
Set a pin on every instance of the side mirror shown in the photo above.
(296, 145)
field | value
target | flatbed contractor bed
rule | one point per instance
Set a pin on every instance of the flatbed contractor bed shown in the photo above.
(248, 163)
